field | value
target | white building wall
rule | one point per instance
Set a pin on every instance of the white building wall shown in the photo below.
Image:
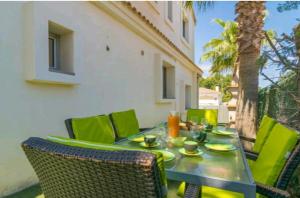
(113, 80)
(156, 13)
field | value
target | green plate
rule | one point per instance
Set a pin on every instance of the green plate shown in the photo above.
(183, 152)
(220, 146)
(222, 132)
(168, 156)
(143, 144)
(136, 139)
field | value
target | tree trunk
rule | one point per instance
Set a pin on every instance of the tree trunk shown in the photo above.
(297, 44)
(248, 96)
(250, 18)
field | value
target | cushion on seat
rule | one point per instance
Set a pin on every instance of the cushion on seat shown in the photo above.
(211, 192)
(211, 115)
(274, 154)
(111, 147)
(125, 123)
(94, 129)
(263, 132)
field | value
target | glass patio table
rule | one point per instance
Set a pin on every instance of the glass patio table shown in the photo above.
(226, 170)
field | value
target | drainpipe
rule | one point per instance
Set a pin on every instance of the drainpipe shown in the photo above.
(197, 92)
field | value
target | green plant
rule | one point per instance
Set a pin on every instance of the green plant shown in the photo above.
(218, 80)
(222, 51)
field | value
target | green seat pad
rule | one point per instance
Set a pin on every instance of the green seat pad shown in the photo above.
(94, 129)
(211, 192)
(112, 147)
(211, 115)
(125, 123)
(263, 132)
(274, 154)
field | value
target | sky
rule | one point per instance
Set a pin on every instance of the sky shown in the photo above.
(206, 29)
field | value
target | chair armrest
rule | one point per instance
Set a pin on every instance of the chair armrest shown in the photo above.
(251, 155)
(248, 139)
(271, 191)
(192, 191)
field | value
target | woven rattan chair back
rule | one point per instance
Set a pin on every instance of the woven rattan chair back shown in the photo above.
(73, 172)
(289, 168)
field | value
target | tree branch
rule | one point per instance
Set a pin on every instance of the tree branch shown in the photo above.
(282, 59)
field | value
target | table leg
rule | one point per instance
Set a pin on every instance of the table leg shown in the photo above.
(250, 192)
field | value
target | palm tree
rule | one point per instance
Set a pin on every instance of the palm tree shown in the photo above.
(222, 51)
(250, 19)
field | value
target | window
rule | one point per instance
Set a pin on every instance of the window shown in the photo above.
(185, 29)
(60, 47)
(170, 11)
(188, 96)
(168, 81)
(53, 40)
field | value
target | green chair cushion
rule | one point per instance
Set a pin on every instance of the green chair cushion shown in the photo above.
(211, 115)
(111, 147)
(274, 154)
(211, 192)
(125, 123)
(263, 132)
(94, 129)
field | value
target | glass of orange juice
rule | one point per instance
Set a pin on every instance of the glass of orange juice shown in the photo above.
(173, 124)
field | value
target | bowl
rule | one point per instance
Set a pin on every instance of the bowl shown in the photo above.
(190, 146)
(149, 139)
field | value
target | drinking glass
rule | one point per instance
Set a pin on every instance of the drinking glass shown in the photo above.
(194, 132)
(162, 135)
(194, 120)
(204, 123)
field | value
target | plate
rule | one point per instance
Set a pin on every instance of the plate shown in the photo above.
(168, 156)
(222, 132)
(220, 146)
(143, 144)
(183, 152)
(136, 139)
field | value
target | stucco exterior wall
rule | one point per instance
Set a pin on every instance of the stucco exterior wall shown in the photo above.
(156, 12)
(113, 80)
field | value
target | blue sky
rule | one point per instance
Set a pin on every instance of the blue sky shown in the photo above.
(206, 29)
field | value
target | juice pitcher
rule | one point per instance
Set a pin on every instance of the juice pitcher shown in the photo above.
(173, 124)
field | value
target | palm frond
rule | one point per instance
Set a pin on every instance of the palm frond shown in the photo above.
(220, 22)
(200, 5)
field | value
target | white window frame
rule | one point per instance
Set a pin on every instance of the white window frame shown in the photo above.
(185, 41)
(168, 81)
(185, 29)
(36, 34)
(186, 97)
(55, 55)
(159, 63)
(170, 11)
(167, 20)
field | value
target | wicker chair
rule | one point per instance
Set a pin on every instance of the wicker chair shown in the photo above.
(73, 172)
(279, 189)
